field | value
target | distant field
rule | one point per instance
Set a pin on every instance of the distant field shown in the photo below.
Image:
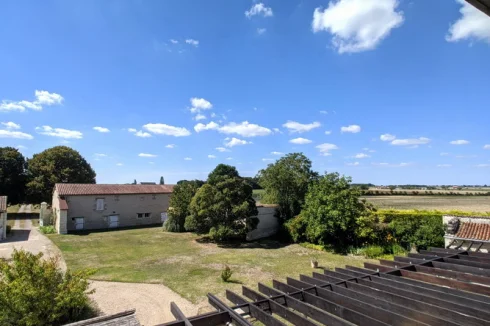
(470, 203)
(437, 191)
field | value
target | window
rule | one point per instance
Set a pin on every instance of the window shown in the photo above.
(154, 197)
(147, 214)
(99, 204)
(140, 215)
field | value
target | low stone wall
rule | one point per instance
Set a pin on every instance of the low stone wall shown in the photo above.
(268, 223)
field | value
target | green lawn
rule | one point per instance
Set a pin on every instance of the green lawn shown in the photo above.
(189, 267)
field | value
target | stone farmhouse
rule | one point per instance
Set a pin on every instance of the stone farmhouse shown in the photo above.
(79, 207)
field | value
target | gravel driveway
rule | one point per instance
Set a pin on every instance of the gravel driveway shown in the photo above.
(151, 301)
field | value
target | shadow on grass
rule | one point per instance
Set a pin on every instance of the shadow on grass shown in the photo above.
(267, 243)
(234, 282)
(88, 232)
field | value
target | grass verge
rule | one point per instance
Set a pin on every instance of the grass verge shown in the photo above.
(186, 264)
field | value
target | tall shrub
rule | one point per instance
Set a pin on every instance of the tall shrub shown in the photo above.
(34, 291)
(331, 210)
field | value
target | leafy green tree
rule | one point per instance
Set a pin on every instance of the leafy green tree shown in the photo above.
(332, 208)
(55, 165)
(179, 206)
(34, 291)
(224, 210)
(286, 183)
(197, 183)
(162, 181)
(12, 174)
(222, 171)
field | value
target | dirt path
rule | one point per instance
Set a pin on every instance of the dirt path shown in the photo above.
(24, 236)
(151, 301)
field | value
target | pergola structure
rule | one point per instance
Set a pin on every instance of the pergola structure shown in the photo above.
(439, 286)
(483, 5)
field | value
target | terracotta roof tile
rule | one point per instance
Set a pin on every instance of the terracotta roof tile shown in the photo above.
(3, 204)
(474, 231)
(71, 189)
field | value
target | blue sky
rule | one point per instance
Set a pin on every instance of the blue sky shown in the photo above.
(385, 91)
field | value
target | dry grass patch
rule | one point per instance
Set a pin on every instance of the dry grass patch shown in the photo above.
(462, 203)
(184, 263)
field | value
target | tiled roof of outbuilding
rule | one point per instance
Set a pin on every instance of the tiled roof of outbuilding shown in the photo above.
(474, 231)
(73, 189)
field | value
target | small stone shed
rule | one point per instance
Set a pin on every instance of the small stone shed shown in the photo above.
(3, 217)
(463, 232)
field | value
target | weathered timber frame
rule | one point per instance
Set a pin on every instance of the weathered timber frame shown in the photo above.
(439, 286)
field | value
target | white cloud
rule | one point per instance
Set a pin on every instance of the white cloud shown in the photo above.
(192, 42)
(277, 153)
(21, 147)
(14, 134)
(211, 156)
(410, 141)
(361, 155)
(483, 166)
(444, 165)
(47, 98)
(236, 142)
(210, 126)
(260, 31)
(199, 104)
(353, 164)
(199, 117)
(294, 126)
(142, 134)
(352, 129)
(174, 41)
(59, 132)
(326, 148)
(163, 129)
(328, 132)
(11, 125)
(100, 155)
(222, 149)
(229, 158)
(387, 137)
(444, 154)
(31, 105)
(188, 159)
(245, 129)
(42, 98)
(259, 9)
(357, 25)
(323, 112)
(459, 142)
(119, 164)
(473, 25)
(486, 146)
(300, 141)
(101, 129)
(267, 159)
(276, 130)
(11, 106)
(392, 165)
(139, 133)
(213, 115)
(170, 146)
(146, 155)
